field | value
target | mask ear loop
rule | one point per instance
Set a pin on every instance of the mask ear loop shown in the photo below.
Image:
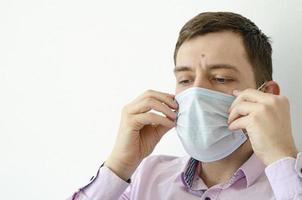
(262, 86)
(260, 89)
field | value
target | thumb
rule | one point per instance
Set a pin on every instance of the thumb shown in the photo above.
(162, 130)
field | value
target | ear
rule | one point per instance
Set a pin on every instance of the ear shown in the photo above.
(272, 87)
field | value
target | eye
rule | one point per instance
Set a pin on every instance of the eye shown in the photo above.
(185, 82)
(221, 80)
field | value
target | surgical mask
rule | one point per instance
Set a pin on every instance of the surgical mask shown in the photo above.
(202, 124)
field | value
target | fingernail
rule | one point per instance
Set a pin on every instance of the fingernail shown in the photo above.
(175, 103)
(175, 116)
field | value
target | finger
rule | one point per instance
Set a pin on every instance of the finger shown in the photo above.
(241, 109)
(161, 130)
(166, 98)
(251, 95)
(240, 123)
(153, 119)
(153, 104)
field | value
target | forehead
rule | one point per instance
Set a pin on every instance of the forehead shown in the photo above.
(222, 47)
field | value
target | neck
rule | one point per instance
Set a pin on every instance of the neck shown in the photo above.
(220, 171)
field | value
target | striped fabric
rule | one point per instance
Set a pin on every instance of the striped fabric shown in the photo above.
(189, 172)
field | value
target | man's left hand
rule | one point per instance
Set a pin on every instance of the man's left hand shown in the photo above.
(266, 119)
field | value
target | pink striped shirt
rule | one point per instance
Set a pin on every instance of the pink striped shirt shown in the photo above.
(168, 177)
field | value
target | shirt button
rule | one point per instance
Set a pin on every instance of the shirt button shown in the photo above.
(207, 198)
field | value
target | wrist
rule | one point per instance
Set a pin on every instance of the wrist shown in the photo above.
(120, 168)
(293, 153)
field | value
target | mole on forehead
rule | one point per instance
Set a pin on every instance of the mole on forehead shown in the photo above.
(204, 64)
(203, 61)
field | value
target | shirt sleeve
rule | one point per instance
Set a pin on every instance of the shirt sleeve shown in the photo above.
(285, 177)
(106, 185)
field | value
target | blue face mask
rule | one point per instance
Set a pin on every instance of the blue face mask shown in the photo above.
(202, 124)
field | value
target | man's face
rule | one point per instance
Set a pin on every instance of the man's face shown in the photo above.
(216, 61)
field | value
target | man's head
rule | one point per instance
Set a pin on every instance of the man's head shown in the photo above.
(222, 51)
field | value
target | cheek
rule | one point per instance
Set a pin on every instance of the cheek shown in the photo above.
(243, 81)
(247, 80)
(230, 92)
(245, 84)
(180, 89)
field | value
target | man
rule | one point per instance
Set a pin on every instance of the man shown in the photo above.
(228, 114)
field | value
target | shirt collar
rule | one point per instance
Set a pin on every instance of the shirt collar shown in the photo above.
(251, 170)
(189, 171)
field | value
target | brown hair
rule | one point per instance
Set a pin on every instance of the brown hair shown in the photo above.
(257, 44)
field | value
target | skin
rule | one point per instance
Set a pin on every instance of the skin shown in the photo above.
(215, 61)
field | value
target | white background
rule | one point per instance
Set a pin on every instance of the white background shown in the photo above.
(67, 67)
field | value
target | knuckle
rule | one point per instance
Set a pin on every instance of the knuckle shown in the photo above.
(254, 118)
(263, 108)
(166, 121)
(132, 121)
(241, 96)
(285, 102)
(234, 111)
(128, 120)
(249, 90)
(125, 109)
(274, 101)
(150, 115)
(284, 99)
(149, 101)
(149, 92)
(241, 106)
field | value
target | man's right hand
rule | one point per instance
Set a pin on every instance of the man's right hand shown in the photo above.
(140, 130)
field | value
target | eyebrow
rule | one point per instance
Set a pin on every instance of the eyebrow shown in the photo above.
(210, 67)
